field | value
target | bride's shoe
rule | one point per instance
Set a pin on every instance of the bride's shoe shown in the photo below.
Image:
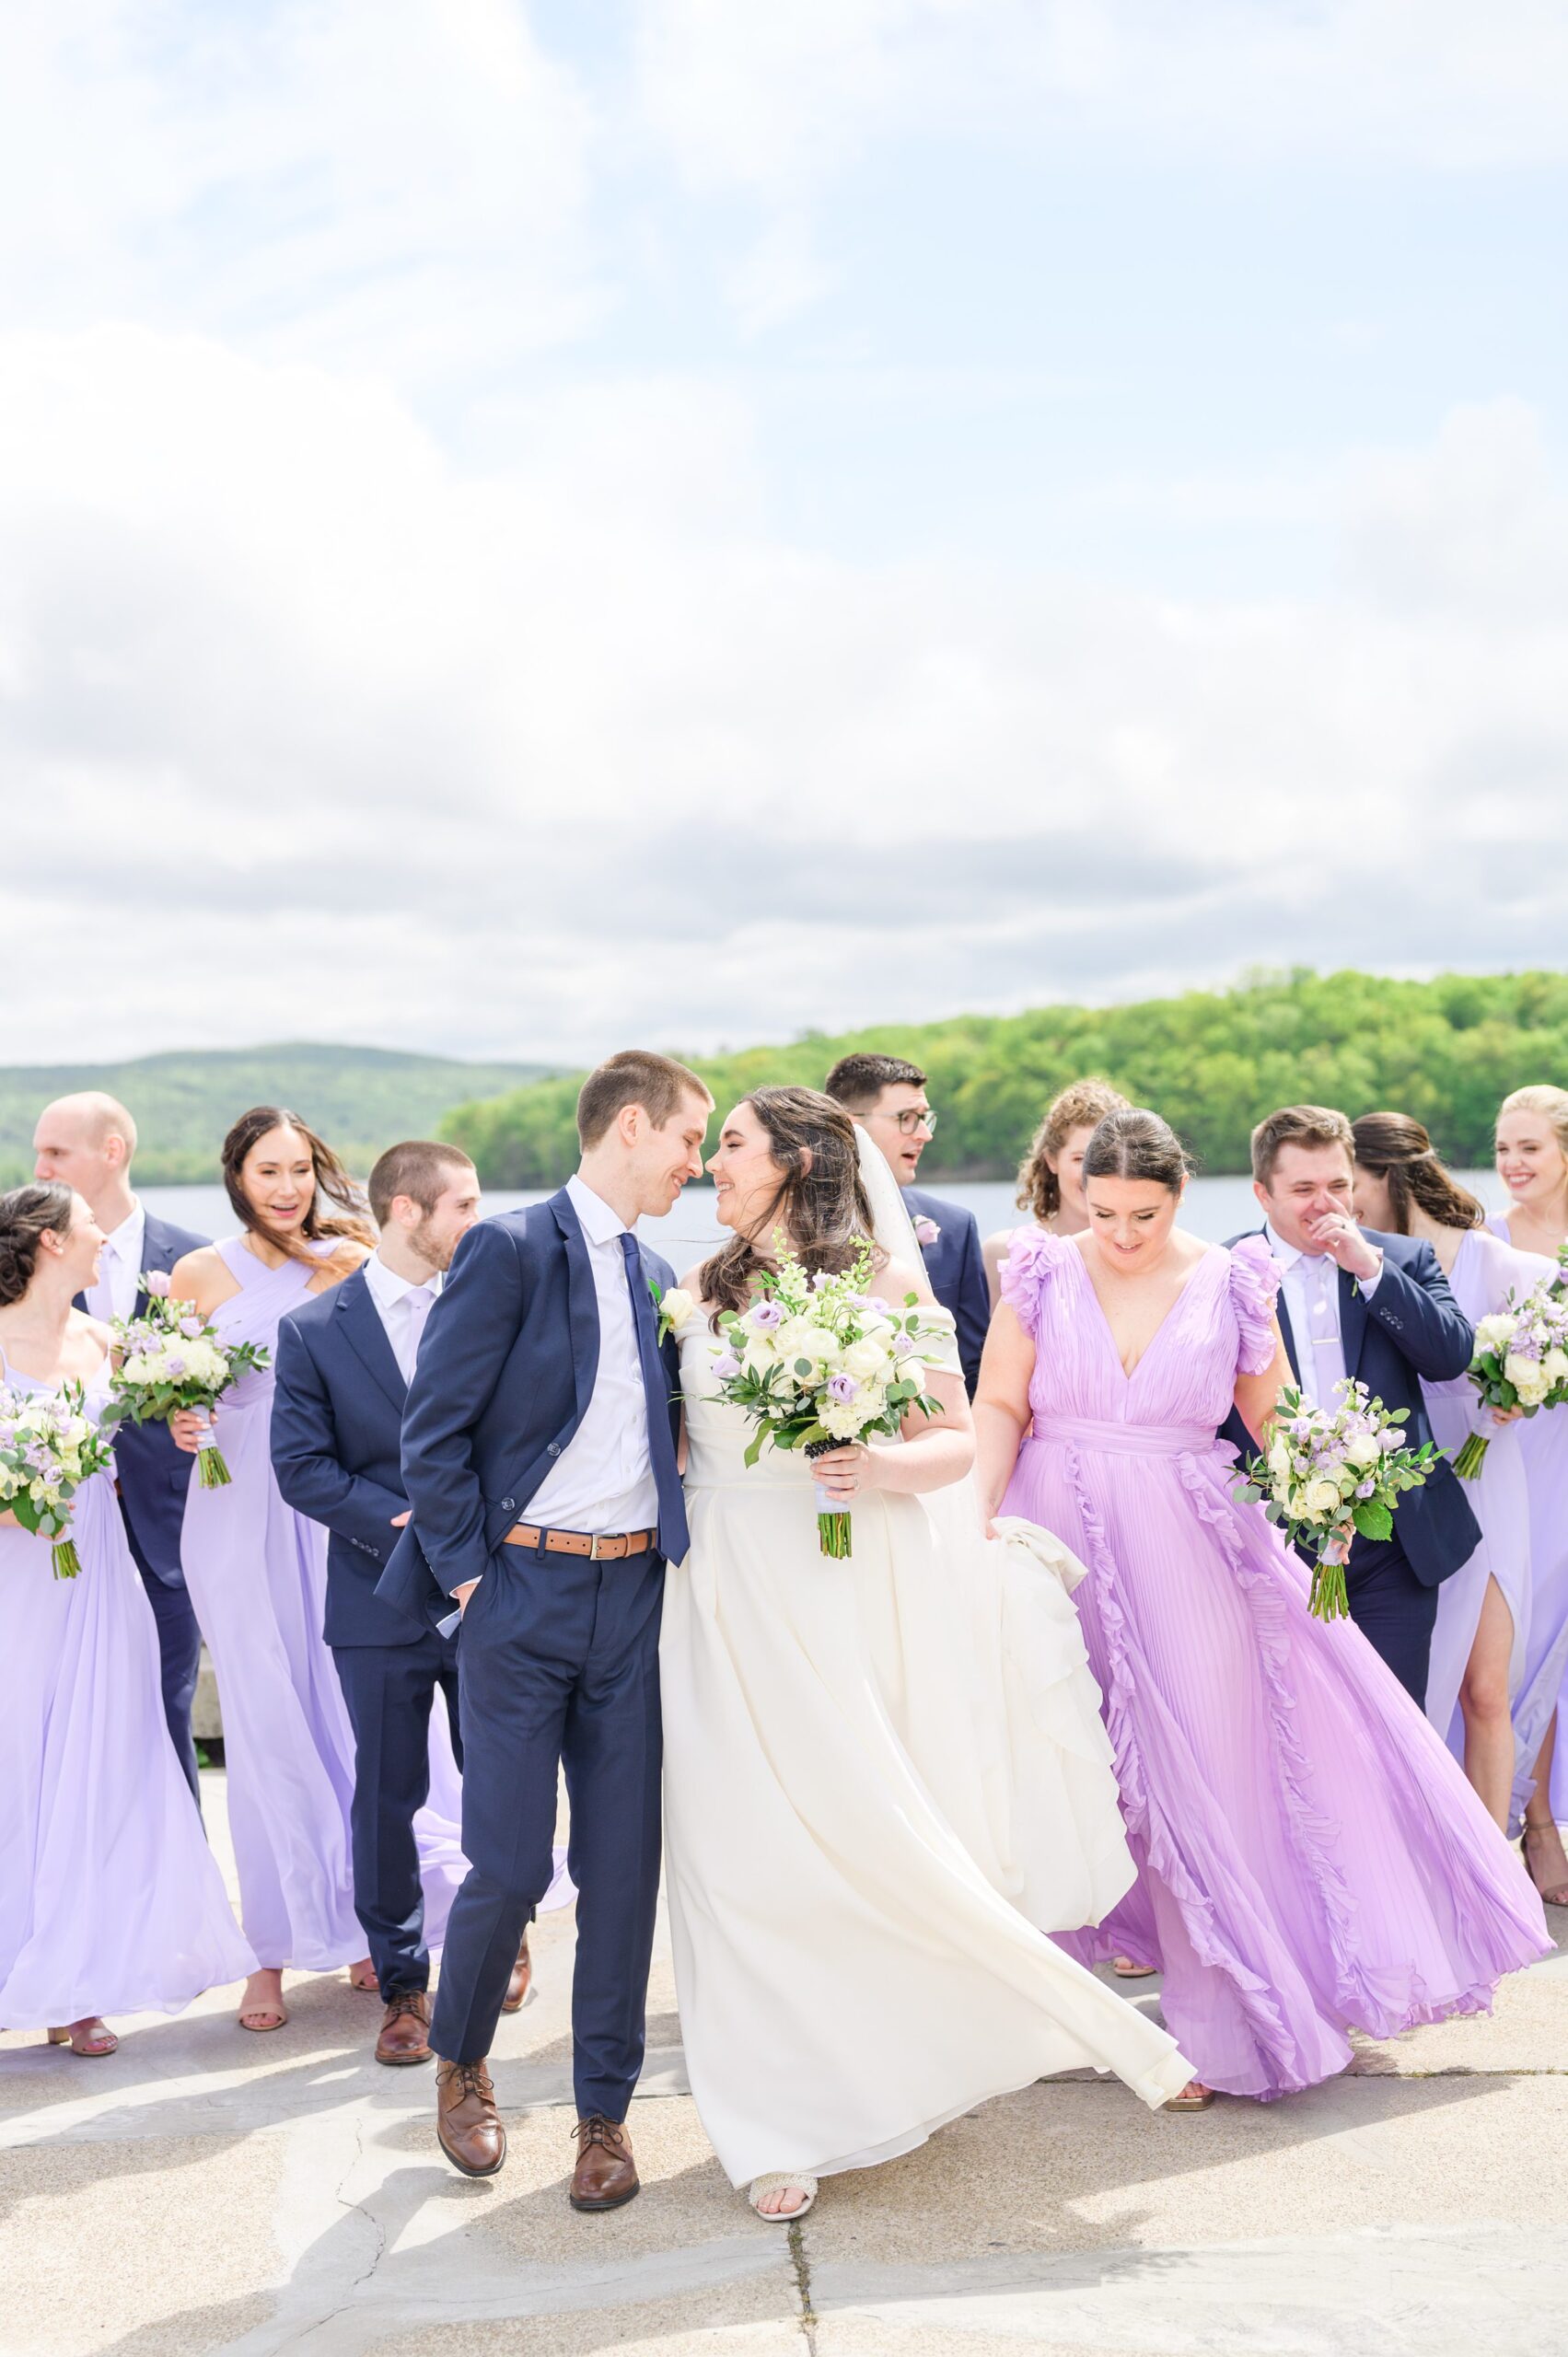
(784, 2181)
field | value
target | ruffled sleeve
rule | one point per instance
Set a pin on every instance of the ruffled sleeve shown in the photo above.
(1033, 1259)
(1255, 1279)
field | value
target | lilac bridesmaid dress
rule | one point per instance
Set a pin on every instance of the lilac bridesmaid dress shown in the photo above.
(1310, 1858)
(257, 1573)
(1543, 1688)
(1485, 1271)
(111, 1901)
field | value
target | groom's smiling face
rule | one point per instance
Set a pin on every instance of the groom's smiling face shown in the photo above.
(665, 1158)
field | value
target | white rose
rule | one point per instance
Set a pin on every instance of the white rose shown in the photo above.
(1494, 1333)
(1321, 1497)
(676, 1307)
(1555, 1368)
(1528, 1378)
(863, 1360)
(135, 1371)
(1362, 1450)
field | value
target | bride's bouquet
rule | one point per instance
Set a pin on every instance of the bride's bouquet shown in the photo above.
(49, 1446)
(169, 1359)
(1521, 1359)
(818, 1362)
(1329, 1474)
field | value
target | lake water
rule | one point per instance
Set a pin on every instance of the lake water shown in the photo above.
(1214, 1209)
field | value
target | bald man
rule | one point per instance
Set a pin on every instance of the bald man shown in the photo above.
(86, 1141)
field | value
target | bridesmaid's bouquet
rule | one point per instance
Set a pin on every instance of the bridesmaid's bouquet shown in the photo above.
(1521, 1359)
(49, 1446)
(818, 1362)
(171, 1359)
(1331, 1474)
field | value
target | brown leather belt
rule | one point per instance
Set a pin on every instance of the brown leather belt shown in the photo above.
(610, 1548)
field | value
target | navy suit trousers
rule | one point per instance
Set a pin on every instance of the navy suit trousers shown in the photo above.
(179, 1659)
(1393, 1611)
(558, 1667)
(389, 1690)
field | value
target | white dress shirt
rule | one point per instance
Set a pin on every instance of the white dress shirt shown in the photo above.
(603, 1479)
(402, 1309)
(1310, 1283)
(120, 1270)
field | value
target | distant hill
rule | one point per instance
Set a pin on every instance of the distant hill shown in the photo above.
(360, 1099)
(1212, 1062)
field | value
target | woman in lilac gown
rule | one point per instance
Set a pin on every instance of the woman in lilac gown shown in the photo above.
(109, 1898)
(1310, 1858)
(1532, 1161)
(258, 1574)
(1483, 1612)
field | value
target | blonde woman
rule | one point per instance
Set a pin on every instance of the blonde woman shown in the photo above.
(1532, 1162)
(1051, 1177)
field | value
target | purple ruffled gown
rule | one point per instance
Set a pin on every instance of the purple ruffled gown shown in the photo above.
(257, 1573)
(1543, 1688)
(1484, 1273)
(1310, 1856)
(111, 1901)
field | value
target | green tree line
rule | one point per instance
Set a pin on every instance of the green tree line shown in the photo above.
(1212, 1062)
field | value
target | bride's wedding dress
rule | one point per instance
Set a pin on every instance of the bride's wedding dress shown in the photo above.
(845, 1831)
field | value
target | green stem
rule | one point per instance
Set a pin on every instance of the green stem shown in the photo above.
(214, 1472)
(1331, 1601)
(1471, 1457)
(67, 1562)
(832, 1529)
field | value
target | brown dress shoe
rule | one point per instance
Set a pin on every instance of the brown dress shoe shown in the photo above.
(405, 2028)
(518, 1986)
(606, 2175)
(466, 2122)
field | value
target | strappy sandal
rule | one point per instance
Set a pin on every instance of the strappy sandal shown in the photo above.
(371, 1988)
(783, 2178)
(1557, 1893)
(269, 2014)
(1190, 2101)
(87, 2036)
(1125, 1970)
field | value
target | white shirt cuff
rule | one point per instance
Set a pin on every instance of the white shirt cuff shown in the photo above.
(1370, 1284)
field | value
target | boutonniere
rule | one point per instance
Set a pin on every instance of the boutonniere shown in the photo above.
(925, 1230)
(674, 1308)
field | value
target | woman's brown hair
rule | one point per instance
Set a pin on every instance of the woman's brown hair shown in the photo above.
(820, 1203)
(333, 1185)
(26, 1215)
(1083, 1104)
(1394, 1147)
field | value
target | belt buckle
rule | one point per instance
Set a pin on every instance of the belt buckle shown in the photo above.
(593, 1547)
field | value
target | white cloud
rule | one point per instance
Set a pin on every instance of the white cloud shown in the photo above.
(314, 732)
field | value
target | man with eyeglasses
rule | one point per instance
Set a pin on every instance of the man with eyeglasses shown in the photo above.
(888, 1097)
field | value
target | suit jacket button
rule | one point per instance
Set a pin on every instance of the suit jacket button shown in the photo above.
(508, 1505)
(554, 1449)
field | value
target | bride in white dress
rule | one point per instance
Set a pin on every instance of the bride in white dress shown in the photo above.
(845, 1833)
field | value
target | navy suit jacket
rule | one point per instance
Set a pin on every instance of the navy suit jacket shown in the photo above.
(507, 1369)
(956, 1273)
(1411, 1327)
(153, 1475)
(337, 1432)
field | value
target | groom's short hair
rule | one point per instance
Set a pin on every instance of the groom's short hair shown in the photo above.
(636, 1077)
(858, 1081)
(1298, 1125)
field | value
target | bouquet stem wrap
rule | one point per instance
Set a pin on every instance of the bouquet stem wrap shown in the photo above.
(833, 1522)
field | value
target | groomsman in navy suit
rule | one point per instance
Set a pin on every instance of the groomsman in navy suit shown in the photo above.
(344, 1362)
(887, 1097)
(1353, 1302)
(87, 1141)
(539, 1459)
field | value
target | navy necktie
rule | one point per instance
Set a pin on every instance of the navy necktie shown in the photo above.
(673, 1536)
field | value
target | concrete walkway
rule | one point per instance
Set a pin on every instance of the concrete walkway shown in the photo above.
(204, 2190)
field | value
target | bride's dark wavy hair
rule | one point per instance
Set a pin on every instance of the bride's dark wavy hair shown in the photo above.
(821, 1202)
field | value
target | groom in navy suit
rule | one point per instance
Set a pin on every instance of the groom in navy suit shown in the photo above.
(539, 1462)
(87, 1141)
(344, 1362)
(1375, 1307)
(886, 1096)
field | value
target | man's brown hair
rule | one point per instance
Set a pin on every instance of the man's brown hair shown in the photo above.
(636, 1077)
(1298, 1125)
(858, 1081)
(420, 1168)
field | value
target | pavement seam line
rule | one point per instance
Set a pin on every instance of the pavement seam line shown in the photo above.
(801, 2264)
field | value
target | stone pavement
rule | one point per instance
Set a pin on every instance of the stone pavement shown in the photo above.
(204, 2190)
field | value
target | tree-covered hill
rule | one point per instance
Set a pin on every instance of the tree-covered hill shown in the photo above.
(1213, 1063)
(360, 1099)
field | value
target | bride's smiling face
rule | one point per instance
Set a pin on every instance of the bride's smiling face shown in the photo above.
(746, 1178)
(1130, 1220)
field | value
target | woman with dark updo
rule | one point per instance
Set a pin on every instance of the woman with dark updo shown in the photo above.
(110, 1899)
(1310, 1858)
(258, 1573)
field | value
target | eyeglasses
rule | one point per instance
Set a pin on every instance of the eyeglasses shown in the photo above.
(913, 1118)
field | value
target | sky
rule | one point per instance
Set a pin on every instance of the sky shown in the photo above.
(533, 525)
